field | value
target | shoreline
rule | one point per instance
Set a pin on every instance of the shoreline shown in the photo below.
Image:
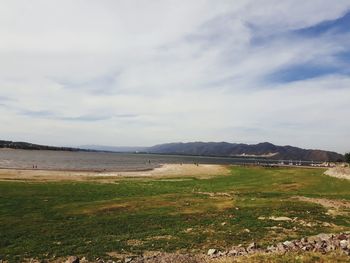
(163, 171)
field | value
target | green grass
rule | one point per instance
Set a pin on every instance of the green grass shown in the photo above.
(44, 220)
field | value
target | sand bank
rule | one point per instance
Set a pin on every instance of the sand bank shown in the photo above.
(339, 172)
(165, 170)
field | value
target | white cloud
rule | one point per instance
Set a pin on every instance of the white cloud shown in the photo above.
(127, 73)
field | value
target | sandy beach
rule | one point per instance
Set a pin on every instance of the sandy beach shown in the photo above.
(165, 170)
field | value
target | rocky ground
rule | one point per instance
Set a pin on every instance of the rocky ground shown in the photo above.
(322, 243)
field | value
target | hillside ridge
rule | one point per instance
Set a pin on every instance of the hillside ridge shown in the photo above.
(263, 150)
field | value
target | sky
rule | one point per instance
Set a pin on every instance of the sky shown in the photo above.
(139, 73)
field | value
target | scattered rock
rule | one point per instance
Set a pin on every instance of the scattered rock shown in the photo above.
(280, 218)
(344, 244)
(322, 243)
(342, 237)
(252, 246)
(274, 218)
(188, 230)
(72, 259)
(212, 252)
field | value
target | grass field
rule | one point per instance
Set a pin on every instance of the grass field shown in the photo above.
(133, 215)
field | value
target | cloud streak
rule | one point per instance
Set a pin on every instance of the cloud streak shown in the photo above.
(108, 73)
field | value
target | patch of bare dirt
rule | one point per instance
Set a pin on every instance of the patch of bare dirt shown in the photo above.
(335, 207)
(134, 242)
(329, 203)
(166, 170)
(339, 172)
(214, 194)
(274, 218)
(164, 237)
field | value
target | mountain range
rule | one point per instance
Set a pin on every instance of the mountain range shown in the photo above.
(264, 150)
(220, 149)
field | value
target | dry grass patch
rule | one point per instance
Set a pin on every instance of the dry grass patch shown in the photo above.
(183, 204)
(134, 242)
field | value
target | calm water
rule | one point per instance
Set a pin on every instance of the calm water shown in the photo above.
(97, 161)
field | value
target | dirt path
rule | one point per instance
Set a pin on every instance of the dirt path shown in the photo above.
(166, 170)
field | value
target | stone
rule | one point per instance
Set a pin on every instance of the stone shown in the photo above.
(224, 253)
(344, 244)
(324, 236)
(271, 248)
(242, 251)
(280, 248)
(128, 260)
(73, 259)
(252, 246)
(304, 240)
(233, 252)
(342, 237)
(212, 252)
(288, 244)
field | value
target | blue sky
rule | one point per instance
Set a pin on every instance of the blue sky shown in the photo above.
(112, 73)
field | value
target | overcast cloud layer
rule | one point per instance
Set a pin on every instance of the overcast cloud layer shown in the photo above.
(140, 73)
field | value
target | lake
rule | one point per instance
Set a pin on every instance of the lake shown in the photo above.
(99, 161)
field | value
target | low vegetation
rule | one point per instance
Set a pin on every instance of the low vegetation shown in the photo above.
(134, 215)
